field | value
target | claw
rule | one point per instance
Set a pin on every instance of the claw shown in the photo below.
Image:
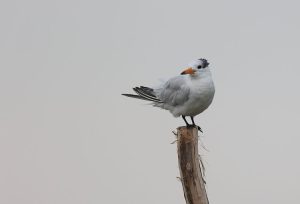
(199, 128)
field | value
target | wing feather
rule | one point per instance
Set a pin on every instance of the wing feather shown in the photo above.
(144, 93)
(174, 92)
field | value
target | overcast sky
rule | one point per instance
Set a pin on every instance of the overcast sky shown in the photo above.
(68, 136)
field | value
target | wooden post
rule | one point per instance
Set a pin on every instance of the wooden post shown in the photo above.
(189, 166)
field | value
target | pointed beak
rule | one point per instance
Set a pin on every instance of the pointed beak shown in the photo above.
(189, 70)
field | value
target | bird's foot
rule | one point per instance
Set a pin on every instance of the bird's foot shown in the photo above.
(199, 128)
(192, 126)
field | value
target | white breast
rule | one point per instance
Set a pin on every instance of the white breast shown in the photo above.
(200, 97)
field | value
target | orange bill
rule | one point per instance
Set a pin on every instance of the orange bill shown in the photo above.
(189, 70)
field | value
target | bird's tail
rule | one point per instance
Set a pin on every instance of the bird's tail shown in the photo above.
(144, 93)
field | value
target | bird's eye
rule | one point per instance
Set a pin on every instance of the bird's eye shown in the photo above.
(199, 67)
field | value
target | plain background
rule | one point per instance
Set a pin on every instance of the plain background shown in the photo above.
(68, 136)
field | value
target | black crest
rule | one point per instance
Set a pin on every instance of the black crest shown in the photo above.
(205, 63)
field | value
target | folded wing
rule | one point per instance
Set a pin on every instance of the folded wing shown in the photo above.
(174, 92)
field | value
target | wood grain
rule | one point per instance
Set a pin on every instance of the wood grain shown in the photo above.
(189, 166)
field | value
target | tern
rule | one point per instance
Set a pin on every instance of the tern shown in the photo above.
(188, 94)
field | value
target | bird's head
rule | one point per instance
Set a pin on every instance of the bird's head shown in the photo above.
(196, 66)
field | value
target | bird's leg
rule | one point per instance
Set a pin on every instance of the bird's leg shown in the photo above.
(185, 121)
(192, 118)
(199, 128)
(187, 124)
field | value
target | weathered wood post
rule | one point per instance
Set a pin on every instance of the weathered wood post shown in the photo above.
(189, 166)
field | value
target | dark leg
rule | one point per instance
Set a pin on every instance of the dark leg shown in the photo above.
(192, 118)
(185, 121)
(199, 128)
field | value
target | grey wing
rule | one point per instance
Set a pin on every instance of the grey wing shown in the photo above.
(174, 92)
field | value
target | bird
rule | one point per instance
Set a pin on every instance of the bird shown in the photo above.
(185, 95)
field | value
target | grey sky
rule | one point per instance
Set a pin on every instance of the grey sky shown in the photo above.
(68, 136)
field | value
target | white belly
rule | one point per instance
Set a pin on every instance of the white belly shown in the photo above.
(200, 98)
